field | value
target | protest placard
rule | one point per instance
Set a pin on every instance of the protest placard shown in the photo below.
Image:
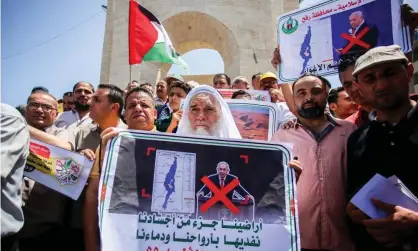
(61, 170)
(255, 94)
(254, 119)
(170, 192)
(315, 38)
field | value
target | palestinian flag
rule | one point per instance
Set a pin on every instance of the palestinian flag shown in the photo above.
(148, 40)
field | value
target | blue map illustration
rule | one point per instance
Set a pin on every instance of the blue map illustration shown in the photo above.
(305, 49)
(169, 182)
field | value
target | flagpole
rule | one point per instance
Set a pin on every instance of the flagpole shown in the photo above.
(130, 73)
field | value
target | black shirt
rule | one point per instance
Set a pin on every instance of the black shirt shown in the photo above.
(380, 147)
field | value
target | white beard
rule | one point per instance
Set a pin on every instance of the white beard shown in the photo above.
(202, 132)
(214, 131)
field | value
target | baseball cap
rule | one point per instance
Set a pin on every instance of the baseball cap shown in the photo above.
(268, 75)
(379, 55)
(175, 76)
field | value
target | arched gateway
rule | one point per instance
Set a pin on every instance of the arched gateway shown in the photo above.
(243, 32)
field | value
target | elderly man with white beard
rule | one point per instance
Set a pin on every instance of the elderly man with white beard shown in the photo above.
(207, 114)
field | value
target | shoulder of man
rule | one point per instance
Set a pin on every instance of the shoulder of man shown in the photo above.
(348, 126)
(10, 111)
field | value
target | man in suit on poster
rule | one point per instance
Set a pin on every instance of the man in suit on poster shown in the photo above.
(358, 24)
(221, 179)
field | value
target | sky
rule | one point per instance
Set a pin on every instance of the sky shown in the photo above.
(76, 28)
(71, 57)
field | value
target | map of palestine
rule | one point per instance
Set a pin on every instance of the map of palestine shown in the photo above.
(174, 182)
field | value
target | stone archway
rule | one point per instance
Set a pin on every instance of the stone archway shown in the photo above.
(192, 30)
(243, 32)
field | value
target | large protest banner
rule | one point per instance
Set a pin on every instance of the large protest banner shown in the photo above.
(314, 39)
(61, 170)
(166, 192)
(254, 119)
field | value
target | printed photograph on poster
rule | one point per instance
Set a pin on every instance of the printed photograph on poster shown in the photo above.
(254, 119)
(321, 35)
(255, 94)
(175, 192)
(61, 170)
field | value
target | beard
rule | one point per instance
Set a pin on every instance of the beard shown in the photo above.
(202, 132)
(80, 107)
(214, 131)
(311, 112)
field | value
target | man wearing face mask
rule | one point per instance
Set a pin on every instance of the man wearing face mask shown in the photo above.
(319, 141)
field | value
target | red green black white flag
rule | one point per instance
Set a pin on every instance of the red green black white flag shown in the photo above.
(148, 40)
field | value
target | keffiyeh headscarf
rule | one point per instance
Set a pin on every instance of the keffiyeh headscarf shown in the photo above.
(225, 126)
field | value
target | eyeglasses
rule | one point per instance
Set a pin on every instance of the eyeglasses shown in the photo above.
(45, 108)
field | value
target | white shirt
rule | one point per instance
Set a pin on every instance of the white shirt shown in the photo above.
(358, 27)
(159, 102)
(66, 119)
(284, 114)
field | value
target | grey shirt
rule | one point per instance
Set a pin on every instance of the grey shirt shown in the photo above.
(14, 151)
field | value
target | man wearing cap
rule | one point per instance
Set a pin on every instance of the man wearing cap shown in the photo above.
(268, 82)
(387, 145)
(171, 78)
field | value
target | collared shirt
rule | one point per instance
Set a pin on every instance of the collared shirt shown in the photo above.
(159, 102)
(387, 149)
(14, 151)
(358, 27)
(66, 119)
(359, 118)
(322, 186)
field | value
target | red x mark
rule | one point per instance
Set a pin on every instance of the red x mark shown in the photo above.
(219, 195)
(355, 40)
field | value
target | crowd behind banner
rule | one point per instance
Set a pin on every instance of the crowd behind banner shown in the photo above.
(341, 138)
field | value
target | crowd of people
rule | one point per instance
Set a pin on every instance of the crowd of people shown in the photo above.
(341, 138)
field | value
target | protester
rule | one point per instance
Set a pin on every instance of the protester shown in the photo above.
(169, 115)
(345, 69)
(130, 86)
(319, 143)
(43, 207)
(82, 93)
(206, 113)
(341, 104)
(105, 108)
(147, 86)
(14, 151)
(221, 81)
(240, 83)
(162, 94)
(68, 101)
(172, 77)
(140, 115)
(255, 81)
(387, 146)
(268, 82)
(241, 94)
